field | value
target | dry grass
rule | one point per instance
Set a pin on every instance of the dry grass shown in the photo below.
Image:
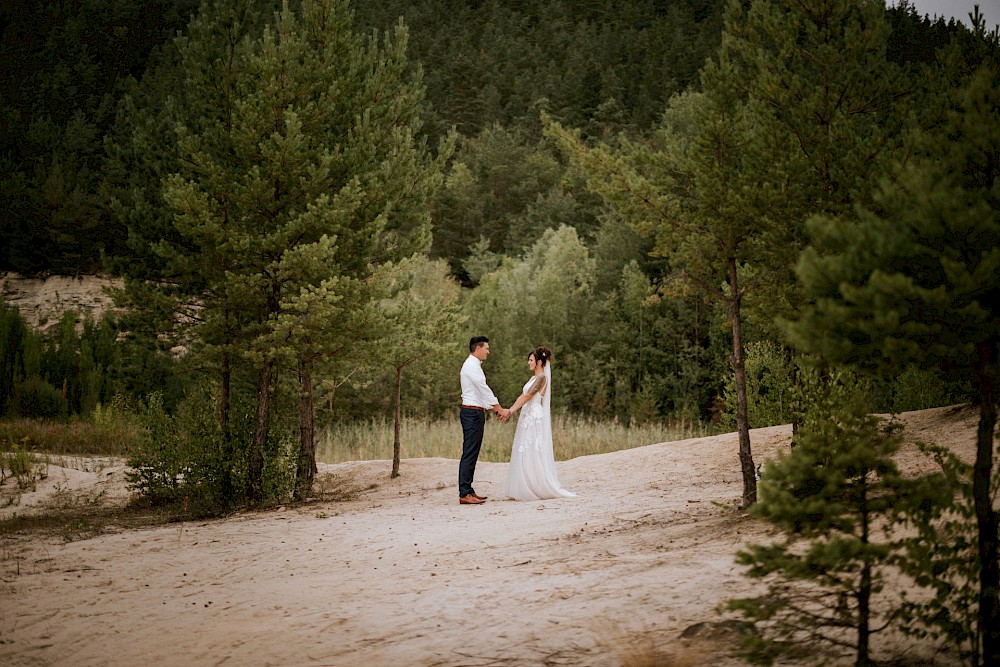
(105, 434)
(572, 437)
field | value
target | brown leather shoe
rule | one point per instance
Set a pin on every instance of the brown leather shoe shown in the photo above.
(479, 496)
(470, 499)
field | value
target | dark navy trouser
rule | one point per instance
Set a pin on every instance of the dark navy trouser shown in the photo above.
(473, 426)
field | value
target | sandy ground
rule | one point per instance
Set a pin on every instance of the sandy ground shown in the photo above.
(400, 574)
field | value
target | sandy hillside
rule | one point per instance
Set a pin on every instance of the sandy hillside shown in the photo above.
(42, 301)
(401, 574)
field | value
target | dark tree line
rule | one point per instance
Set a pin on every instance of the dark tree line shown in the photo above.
(68, 65)
(75, 74)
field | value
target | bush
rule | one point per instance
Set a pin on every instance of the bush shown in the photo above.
(941, 556)
(917, 389)
(23, 465)
(825, 575)
(769, 387)
(37, 399)
(184, 458)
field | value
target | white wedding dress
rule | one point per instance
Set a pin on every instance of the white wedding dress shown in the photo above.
(532, 471)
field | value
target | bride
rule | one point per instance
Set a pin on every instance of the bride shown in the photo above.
(532, 471)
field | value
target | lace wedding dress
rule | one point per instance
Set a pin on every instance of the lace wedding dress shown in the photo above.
(532, 471)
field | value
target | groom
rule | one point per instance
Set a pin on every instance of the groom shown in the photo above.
(477, 398)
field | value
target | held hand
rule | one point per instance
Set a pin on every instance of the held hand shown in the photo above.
(505, 414)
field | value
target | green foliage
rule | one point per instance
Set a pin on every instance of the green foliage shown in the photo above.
(695, 190)
(605, 67)
(832, 496)
(941, 557)
(22, 464)
(915, 280)
(156, 466)
(544, 298)
(13, 332)
(68, 371)
(68, 66)
(921, 388)
(37, 399)
(770, 385)
(773, 393)
(184, 459)
(106, 114)
(64, 66)
(505, 189)
(658, 351)
(789, 56)
(297, 173)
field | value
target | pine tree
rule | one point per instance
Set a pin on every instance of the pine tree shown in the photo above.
(820, 73)
(915, 280)
(832, 496)
(298, 171)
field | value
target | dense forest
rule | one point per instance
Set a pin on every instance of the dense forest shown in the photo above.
(78, 75)
(746, 213)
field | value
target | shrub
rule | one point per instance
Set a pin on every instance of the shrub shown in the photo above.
(23, 465)
(830, 495)
(941, 556)
(36, 398)
(185, 458)
(769, 387)
(917, 389)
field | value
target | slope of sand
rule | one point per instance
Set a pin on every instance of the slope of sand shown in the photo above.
(43, 301)
(400, 573)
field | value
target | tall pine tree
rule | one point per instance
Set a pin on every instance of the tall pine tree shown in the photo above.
(915, 279)
(298, 169)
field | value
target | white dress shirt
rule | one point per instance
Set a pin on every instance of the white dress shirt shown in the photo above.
(475, 391)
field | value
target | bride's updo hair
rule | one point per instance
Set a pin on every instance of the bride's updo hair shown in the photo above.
(542, 355)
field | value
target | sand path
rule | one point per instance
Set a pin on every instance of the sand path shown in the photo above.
(402, 574)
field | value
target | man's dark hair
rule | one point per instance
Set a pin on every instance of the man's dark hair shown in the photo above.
(477, 341)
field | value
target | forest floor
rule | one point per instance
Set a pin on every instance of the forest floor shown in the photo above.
(379, 571)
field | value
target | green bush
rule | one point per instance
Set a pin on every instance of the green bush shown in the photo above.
(918, 389)
(769, 387)
(37, 399)
(22, 464)
(184, 458)
(941, 557)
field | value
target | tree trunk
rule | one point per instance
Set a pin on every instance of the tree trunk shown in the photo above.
(225, 391)
(255, 473)
(865, 585)
(739, 370)
(864, 616)
(795, 407)
(986, 517)
(396, 420)
(305, 473)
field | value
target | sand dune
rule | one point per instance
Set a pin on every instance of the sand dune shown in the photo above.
(400, 573)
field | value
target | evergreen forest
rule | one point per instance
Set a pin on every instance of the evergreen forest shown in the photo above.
(740, 213)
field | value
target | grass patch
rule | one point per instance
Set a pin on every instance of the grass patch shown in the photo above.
(22, 465)
(572, 437)
(105, 434)
(81, 523)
